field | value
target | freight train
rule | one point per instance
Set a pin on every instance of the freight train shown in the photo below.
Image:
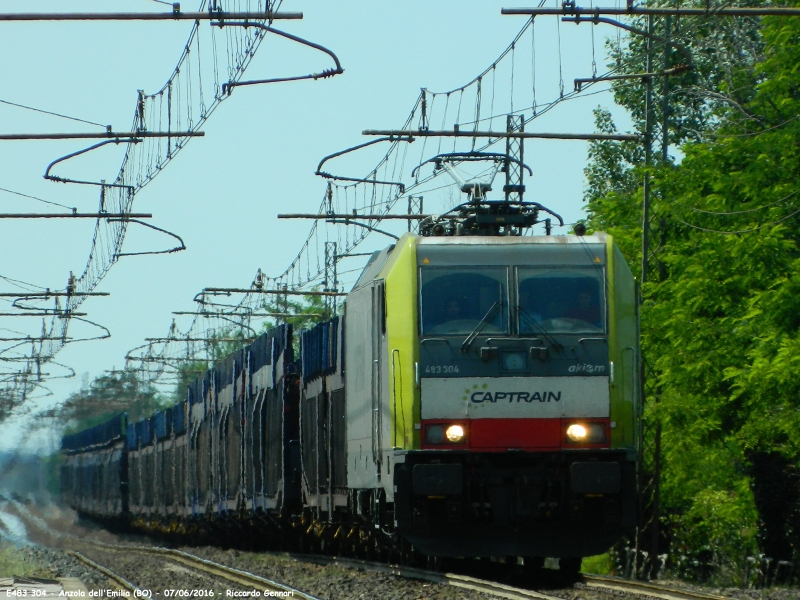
(478, 397)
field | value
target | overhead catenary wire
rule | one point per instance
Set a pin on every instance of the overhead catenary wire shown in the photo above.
(181, 105)
(739, 231)
(745, 211)
(340, 197)
(55, 114)
(35, 198)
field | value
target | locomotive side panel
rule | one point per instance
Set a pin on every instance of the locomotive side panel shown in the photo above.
(624, 349)
(402, 367)
(361, 376)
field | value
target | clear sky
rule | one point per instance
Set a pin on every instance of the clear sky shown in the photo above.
(222, 193)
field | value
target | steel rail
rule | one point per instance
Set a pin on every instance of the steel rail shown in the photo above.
(235, 575)
(143, 16)
(461, 581)
(231, 574)
(645, 588)
(125, 584)
(500, 590)
(212, 568)
(504, 591)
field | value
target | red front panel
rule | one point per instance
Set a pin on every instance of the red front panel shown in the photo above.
(526, 434)
(501, 435)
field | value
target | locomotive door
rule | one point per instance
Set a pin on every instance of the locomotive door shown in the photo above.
(378, 329)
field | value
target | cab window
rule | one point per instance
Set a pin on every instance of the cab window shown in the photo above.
(561, 300)
(454, 300)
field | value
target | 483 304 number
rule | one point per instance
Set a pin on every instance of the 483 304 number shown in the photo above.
(439, 369)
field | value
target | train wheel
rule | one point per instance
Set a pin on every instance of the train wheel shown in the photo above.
(569, 569)
(532, 567)
(435, 563)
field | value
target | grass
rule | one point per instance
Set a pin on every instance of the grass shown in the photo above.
(14, 563)
(598, 565)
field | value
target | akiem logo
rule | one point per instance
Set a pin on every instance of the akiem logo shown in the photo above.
(546, 396)
(587, 368)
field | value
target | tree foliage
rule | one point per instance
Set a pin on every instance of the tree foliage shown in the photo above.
(104, 397)
(305, 312)
(721, 312)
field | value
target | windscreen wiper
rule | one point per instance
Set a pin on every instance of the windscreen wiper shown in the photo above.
(535, 324)
(484, 321)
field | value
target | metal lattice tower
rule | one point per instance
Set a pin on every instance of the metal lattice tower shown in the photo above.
(514, 188)
(331, 282)
(414, 208)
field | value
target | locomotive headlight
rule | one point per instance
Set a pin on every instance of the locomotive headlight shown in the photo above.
(577, 433)
(588, 433)
(434, 434)
(597, 433)
(455, 433)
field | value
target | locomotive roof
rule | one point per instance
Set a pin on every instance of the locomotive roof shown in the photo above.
(379, 258)
(596, 238)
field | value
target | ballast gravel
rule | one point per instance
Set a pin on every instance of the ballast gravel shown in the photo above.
(159, 576)
(60, 564)
(332, 582)
(328, 582)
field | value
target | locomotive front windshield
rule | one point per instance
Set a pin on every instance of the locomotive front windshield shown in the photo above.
(454, 301)
(561, 300)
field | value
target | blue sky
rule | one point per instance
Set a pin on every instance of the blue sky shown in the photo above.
(222, 193)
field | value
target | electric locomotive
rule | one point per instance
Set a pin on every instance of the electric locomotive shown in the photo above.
(478, 398)
(490, 388)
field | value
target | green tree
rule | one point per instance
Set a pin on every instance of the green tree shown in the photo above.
(720, 318)
(304, 313)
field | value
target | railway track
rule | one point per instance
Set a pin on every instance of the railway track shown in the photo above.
(494, 588)
(592, 582)
(203, 565)
(121, 582)
(208, 567)
(642, 588)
